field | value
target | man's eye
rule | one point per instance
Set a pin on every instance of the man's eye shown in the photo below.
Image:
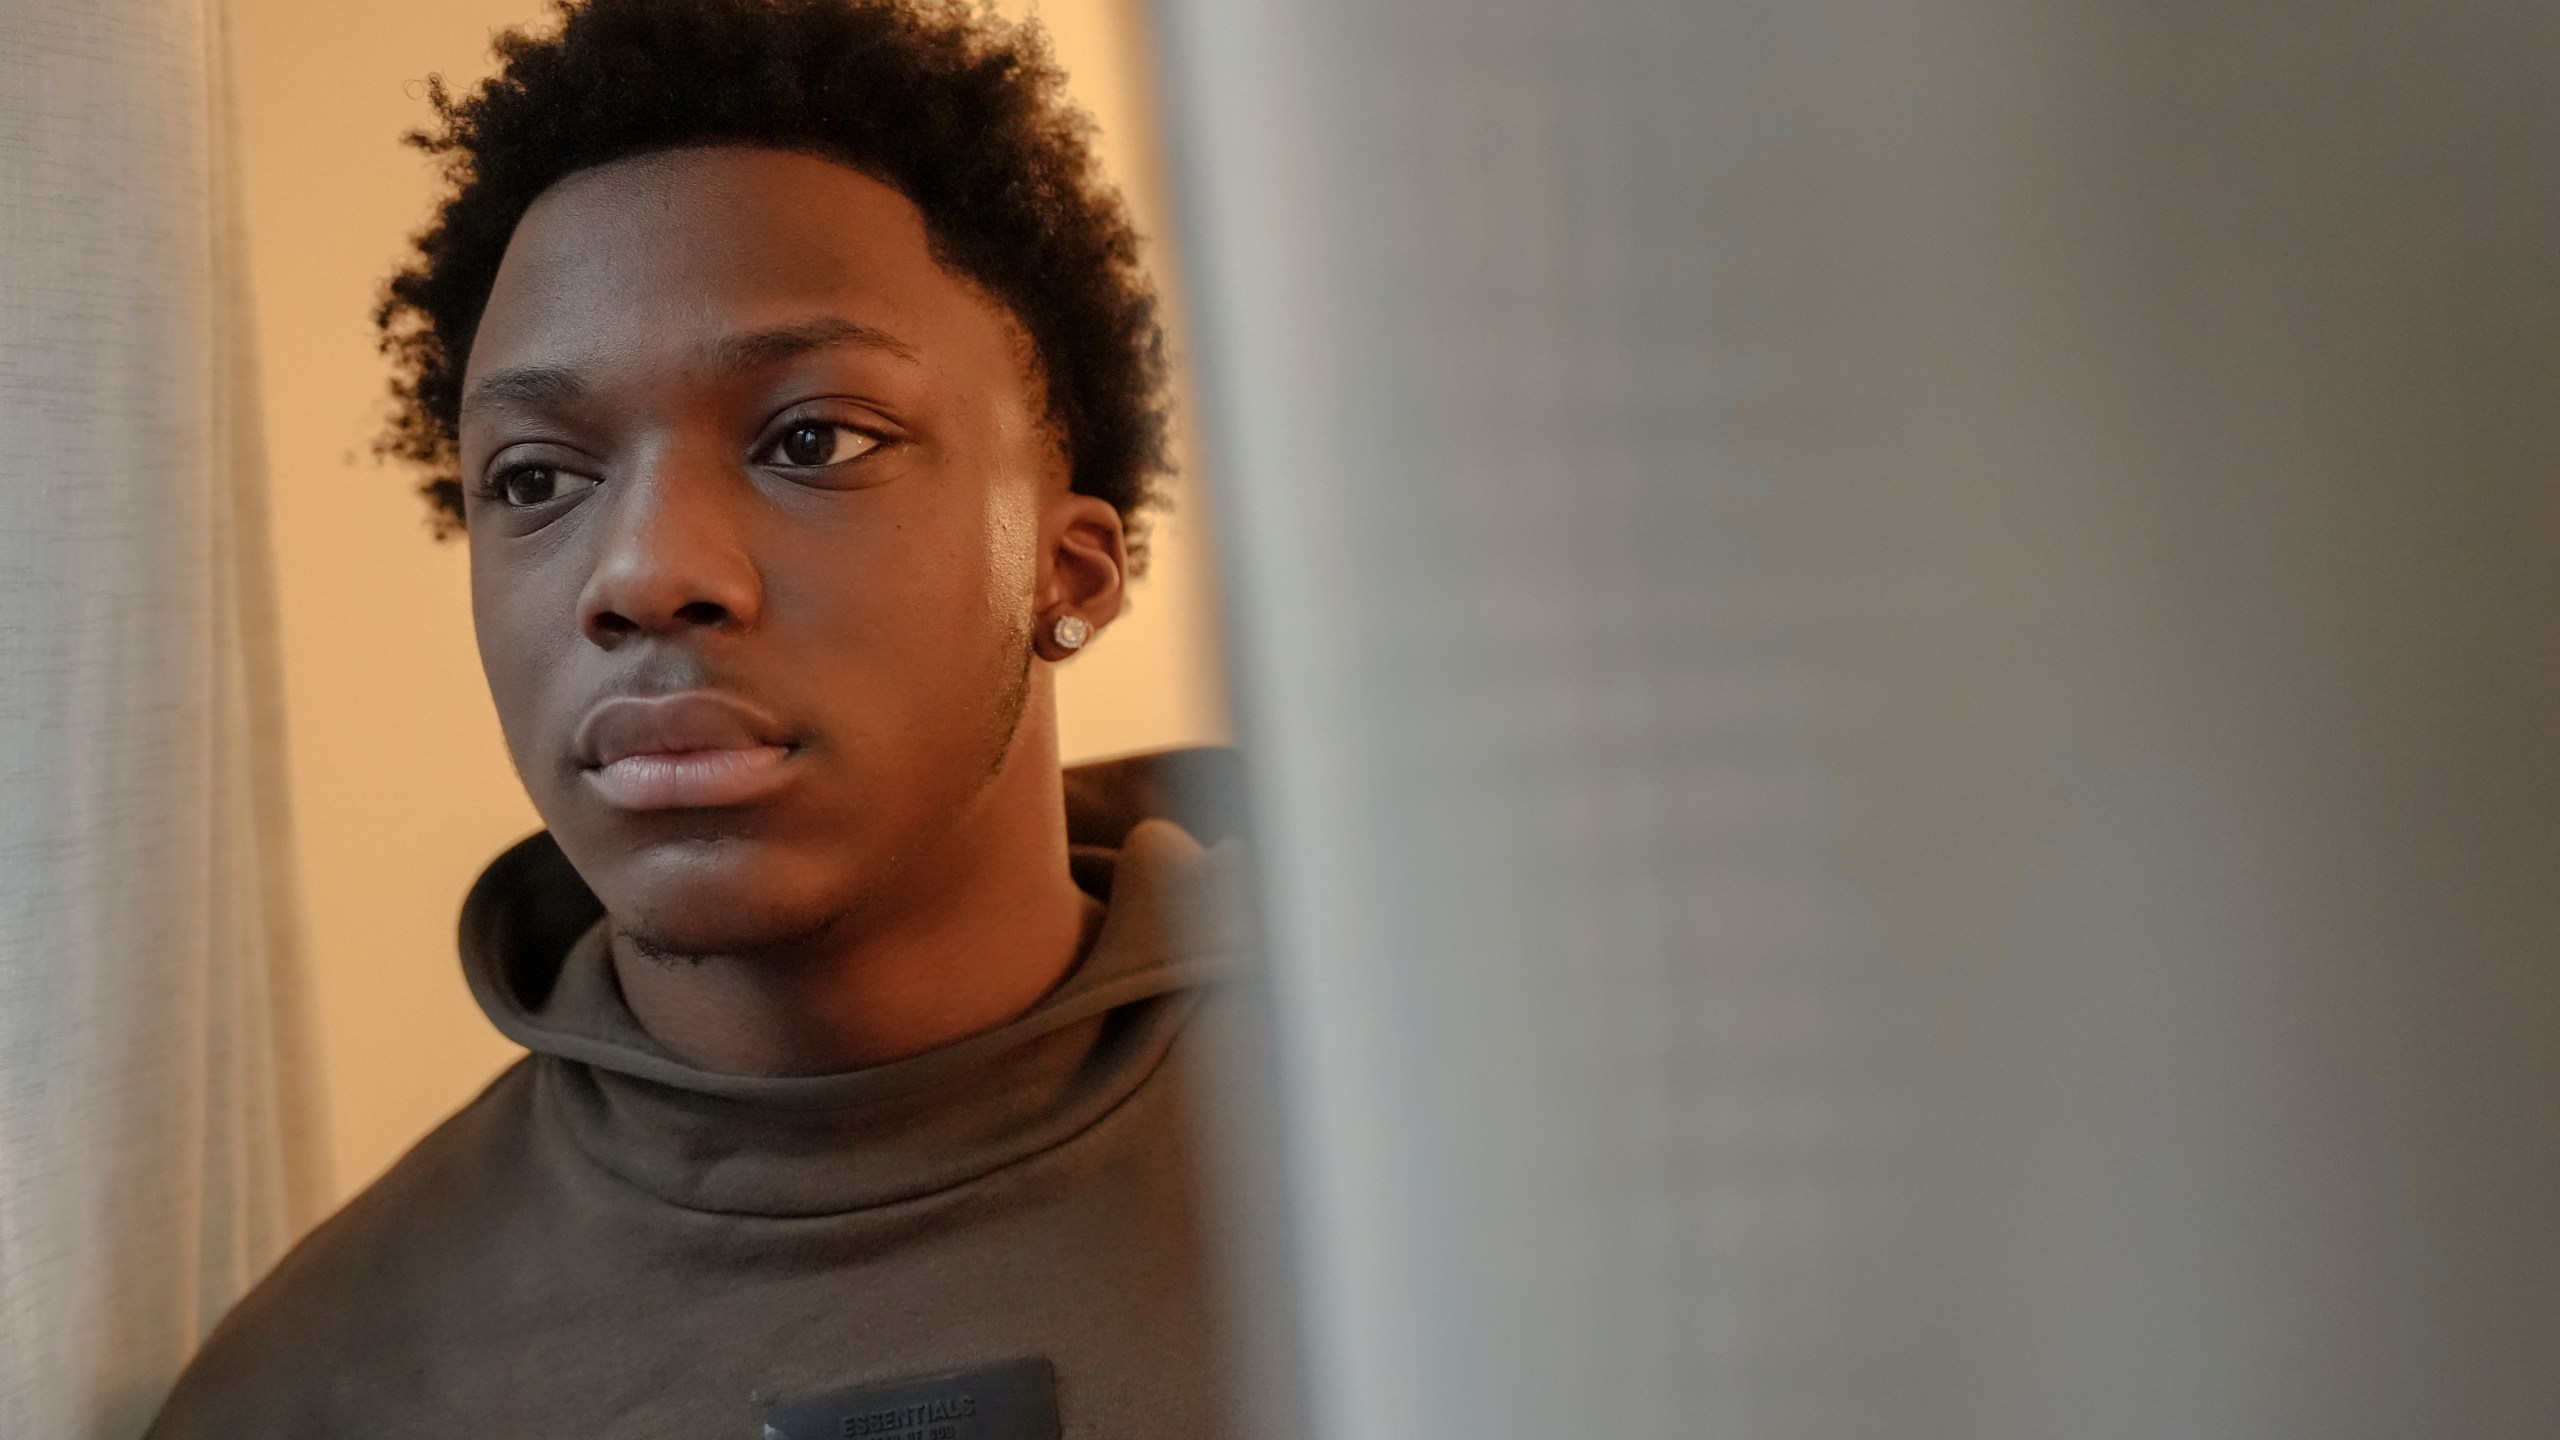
(819, 443)
(538, 485)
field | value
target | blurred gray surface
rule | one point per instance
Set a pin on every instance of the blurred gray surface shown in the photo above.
(1903, 671)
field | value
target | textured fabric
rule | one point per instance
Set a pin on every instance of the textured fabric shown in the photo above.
(1904, 662)
(157, 1144)
(612, 1242)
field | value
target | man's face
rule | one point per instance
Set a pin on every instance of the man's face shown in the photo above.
(755, 492)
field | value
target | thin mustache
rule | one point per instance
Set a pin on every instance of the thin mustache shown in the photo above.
(661, 680)
(664, 673)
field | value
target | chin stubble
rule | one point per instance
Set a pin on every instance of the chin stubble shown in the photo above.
(661, 949)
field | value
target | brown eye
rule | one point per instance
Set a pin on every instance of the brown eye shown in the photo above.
(531, 485)
(527, 485)
(809, 444)
(816, 443)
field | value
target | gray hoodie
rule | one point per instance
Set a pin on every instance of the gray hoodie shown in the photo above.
(609, 1242)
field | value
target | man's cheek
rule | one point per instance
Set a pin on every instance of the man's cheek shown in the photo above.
(532, 717)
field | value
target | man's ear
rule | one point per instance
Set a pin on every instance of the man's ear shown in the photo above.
(1084, 569)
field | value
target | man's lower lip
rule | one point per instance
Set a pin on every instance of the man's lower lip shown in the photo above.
(691, 779)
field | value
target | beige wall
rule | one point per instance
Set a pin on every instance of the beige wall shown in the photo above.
(401, 788)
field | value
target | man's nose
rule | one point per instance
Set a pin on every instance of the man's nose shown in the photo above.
(674, 556)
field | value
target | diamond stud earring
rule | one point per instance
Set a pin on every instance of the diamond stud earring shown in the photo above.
(1071, 632)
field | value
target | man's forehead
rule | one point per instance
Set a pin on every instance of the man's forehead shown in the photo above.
(731, 197)
(647, 238)
(718, 257)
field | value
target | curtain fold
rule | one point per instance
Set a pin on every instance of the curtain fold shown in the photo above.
(158, 1135)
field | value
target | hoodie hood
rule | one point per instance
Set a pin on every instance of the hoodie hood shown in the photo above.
(1152, 838)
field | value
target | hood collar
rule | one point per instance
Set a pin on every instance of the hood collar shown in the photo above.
(534, 951)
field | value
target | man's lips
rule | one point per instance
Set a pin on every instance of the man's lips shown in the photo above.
(697, 750)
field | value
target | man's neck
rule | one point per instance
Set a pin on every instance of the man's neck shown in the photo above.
(995, 926)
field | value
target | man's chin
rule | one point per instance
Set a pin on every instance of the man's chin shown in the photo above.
(703, 906)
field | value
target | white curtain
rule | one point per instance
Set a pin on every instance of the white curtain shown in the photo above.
(157, 1144)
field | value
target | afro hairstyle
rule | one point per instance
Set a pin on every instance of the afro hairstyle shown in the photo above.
(960, 111)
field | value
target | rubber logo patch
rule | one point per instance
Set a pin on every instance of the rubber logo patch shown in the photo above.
(1017, 1400)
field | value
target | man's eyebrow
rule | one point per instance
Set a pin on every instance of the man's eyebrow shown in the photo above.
(535, 385)
(548, 385)
(754, 349)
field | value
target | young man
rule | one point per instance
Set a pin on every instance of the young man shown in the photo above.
(793, 377)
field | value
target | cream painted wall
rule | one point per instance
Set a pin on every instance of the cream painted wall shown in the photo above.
(402, 790)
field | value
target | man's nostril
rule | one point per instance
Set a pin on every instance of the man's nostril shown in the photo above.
(703, 612)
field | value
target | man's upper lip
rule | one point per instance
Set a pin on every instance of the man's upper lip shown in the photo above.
(629, 725)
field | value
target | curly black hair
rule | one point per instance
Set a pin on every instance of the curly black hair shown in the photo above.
(960, 111)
